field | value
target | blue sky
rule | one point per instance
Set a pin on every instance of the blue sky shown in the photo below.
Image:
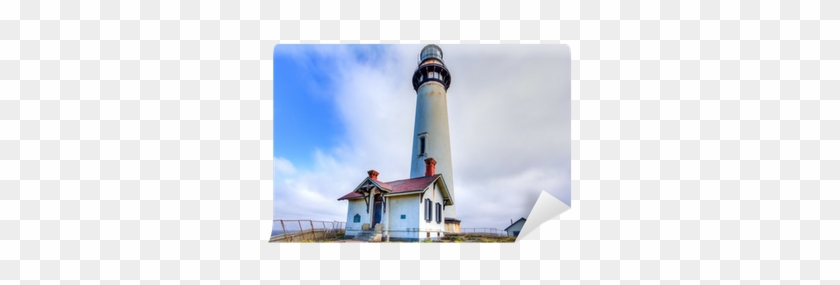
(340, 110)
(306, 83)
(304, 105)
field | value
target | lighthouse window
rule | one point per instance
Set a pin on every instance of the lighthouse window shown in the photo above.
(422, 145)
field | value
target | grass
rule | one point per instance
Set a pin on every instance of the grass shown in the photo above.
(454, 238)
(338, 236)
(477, 238)
(459, 238)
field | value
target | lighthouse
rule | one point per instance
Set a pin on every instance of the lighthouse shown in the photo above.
(421, 207)
(431, 122)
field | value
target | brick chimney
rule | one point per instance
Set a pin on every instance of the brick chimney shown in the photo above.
(373, 174)
(430, 166)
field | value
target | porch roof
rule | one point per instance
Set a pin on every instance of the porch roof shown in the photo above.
(397, 186)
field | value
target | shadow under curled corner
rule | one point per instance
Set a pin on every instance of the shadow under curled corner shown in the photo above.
(546, 208)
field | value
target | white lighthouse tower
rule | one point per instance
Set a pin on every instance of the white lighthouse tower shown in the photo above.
(431, 123)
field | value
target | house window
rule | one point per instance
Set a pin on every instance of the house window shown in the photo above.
(357, 218)
(428, 210)
(402, 217)
(437, 213)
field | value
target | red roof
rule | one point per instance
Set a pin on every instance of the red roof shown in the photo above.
(399, 186)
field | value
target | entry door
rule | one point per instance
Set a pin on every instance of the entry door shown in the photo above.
(377, 213)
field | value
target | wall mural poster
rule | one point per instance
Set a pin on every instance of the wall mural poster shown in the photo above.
(419, 143)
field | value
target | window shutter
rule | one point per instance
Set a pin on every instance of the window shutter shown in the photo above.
(427, 209)
(430, 210)
(438, 213)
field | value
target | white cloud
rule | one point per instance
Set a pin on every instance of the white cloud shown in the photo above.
(283, 166)
(505, 114)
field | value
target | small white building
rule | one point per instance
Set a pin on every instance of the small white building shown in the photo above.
(515, 227)
(406, 210)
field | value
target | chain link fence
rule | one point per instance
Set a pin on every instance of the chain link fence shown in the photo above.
(483, 231)
(299, 230)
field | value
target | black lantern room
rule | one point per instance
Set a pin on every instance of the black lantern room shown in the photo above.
(431, 68)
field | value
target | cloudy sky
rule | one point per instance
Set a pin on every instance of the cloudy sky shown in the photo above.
(341, 110)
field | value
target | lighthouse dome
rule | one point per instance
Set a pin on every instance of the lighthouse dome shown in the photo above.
(431, 52)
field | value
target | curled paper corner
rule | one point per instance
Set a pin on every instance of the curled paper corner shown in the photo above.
(546, 208)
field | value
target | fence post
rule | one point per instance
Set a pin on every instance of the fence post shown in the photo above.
(284, 227)
(303, 234)
(312, 228)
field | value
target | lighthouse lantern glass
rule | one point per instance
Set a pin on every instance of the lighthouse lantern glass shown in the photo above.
(431, 52)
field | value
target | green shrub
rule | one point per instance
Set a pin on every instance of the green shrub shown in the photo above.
(507, 239)
(455, 238)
